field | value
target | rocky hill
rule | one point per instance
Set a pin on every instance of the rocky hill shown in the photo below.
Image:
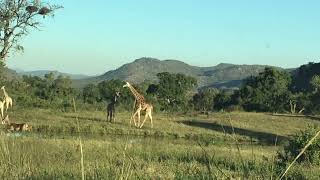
(221, 76)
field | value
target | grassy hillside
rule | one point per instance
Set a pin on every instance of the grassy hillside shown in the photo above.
(9, 74)
(221, 145)
(147, 69)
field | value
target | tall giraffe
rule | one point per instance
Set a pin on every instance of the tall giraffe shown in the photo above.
(141, 104)
(7, 99)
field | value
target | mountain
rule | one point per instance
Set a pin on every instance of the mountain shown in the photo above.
(9, 74)
(221, 76)
(41, 73)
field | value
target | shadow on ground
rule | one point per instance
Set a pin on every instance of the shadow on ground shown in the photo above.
(262, 137)
(316, 118)
(87, 118)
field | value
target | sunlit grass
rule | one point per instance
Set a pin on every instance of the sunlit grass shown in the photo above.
(174, 148)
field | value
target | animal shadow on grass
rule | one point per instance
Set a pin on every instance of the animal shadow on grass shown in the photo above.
(262, 137)
(87, 118)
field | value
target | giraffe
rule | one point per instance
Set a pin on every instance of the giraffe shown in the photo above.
(142, 105)
(111, 108)
(7, 99)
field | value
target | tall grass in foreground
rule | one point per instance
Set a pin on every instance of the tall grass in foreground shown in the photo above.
(80, 142)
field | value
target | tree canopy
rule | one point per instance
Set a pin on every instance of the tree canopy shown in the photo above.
(17, 18)
(269, 91)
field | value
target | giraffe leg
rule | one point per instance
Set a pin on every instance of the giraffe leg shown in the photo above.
(137, 112)
(11, 103)
(133, 119)
(150, 116)
(145, 117)
(134, 105)
(111, 116)
(1, 111)
(7, 106)
(148, 113)
(139, 118)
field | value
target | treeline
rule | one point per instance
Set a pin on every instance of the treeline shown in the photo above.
(273, 90)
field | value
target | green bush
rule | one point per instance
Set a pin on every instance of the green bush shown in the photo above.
(296, 144)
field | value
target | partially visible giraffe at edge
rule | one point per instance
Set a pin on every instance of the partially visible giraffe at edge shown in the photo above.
(7, 99)
(142, 105)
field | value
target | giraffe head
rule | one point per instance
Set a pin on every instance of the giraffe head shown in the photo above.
(2, 88)
(118, 93)
(127, 84)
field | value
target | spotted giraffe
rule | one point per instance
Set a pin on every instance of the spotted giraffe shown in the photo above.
(141, 104)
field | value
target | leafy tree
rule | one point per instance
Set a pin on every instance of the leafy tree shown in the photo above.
(49, 87)
(107, 90)
(204, 99)
(17, 18)
(222, 100)
(300, 102)
(315, 82)
(266, 92)
(303, 75)
(315, 95)
(62, 86)
(91, 94)
(152, 89)
(174, 90)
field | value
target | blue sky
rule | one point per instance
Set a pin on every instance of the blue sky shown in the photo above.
(92, 37)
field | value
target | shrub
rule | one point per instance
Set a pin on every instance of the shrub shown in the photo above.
(298, 142)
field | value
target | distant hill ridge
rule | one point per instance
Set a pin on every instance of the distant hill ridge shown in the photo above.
(222, 75)
(41, 73)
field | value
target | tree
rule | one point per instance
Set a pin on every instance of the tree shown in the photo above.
(299, 102)
(269, 91)
(174, 90)
(62, 86)
(108, 89)
(91, 94)
(315, 82)
(303, 75)
(222, 100)
(17, 18)
(204, 99)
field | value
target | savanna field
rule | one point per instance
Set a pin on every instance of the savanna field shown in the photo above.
(236, 145)
(233, 90)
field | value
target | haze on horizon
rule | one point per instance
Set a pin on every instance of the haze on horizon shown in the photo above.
(94, 37)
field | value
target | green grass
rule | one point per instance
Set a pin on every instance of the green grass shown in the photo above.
(178, 147)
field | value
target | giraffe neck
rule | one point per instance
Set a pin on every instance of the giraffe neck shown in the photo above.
(5, 93)
(135, 93)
